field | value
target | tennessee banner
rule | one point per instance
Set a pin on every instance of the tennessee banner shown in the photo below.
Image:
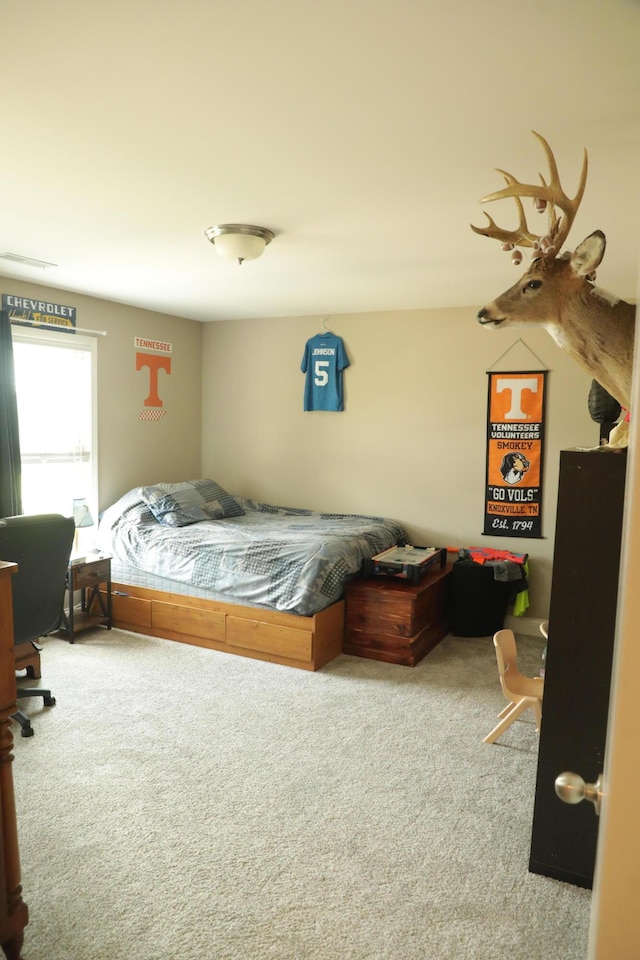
(515, 443)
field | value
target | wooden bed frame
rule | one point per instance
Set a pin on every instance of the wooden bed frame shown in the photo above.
(305, 642)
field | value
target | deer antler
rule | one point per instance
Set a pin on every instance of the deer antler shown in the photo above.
(547, 195)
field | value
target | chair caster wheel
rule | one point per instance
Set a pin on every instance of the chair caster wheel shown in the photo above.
(27, 731)
(49, 701)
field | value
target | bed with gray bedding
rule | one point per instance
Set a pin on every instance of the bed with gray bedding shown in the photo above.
(190, 562)
(198, 538)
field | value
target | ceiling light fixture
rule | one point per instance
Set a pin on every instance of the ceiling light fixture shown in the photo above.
(239, 241)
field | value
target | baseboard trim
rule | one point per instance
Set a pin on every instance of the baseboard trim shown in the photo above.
(528, 626)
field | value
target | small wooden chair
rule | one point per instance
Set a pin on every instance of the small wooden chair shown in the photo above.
(523, 693)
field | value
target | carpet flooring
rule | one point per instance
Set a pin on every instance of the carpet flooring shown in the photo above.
(183, 803)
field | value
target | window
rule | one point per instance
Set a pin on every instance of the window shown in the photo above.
(56, 391)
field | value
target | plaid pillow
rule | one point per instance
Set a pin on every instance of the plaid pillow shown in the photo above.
(179, 504)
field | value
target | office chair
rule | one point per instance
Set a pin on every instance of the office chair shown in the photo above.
(523, 693)
(41, 546)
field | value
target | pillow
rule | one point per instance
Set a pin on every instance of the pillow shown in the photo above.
(219, 504)
(179, 504)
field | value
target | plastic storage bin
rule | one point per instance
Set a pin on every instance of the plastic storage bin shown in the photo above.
(479, 601)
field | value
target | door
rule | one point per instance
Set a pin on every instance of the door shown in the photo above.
(615, 918)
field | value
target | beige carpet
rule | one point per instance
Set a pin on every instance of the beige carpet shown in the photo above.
(180, 803)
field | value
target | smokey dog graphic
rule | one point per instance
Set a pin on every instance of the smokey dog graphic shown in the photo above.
(513, 467)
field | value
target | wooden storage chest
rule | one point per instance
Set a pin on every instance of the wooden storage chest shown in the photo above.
(399, 622)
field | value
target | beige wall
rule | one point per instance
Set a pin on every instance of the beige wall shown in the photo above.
(411, 441)
(409, 445)
(132, 451)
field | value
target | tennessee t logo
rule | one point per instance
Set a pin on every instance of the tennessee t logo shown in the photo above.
(155, 363)
(517, 387)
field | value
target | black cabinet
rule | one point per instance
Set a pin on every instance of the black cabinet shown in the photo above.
(582, 619)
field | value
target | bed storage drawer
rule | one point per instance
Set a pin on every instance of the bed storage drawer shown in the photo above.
(281, 641)
(188, 620)
(130, 610)
(304, 642)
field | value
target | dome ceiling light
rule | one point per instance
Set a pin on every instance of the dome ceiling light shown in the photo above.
(239, 241)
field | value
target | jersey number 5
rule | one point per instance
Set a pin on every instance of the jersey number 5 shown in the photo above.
(321, 378)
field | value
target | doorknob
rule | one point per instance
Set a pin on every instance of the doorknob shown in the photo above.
(571, 788)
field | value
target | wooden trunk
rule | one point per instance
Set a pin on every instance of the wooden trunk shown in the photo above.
(395, 621)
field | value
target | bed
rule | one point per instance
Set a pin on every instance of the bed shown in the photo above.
(193, 563)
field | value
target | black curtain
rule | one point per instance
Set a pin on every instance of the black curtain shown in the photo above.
(10, 467)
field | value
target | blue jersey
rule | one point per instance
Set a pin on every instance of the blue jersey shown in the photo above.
(323, 361)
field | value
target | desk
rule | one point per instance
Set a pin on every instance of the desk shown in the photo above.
(14, 915)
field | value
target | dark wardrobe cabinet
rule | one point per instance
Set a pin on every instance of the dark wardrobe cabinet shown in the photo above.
(582, 619)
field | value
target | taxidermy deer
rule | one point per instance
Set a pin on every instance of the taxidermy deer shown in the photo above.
(558, 290)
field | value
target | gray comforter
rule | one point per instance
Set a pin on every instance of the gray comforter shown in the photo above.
(289, 559)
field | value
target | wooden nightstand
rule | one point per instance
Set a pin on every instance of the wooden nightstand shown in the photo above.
(87, 575)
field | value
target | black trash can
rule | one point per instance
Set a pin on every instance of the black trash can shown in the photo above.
(479, 601)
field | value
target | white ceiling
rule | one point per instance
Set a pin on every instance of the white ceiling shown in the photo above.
(362, 132)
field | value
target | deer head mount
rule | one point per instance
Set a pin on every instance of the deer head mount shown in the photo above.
(546, 197)
(558, 291)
